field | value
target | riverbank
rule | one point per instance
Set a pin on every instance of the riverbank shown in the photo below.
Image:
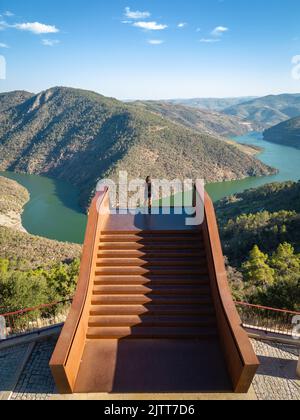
(13, 198)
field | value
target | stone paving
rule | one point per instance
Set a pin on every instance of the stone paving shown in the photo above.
(10, 360)
(276, 378)
(36, 382)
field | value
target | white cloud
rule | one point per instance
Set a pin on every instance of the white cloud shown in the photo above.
(150, 26)
(8, 14)
(2, 45)
(36, 28)
(155, 41)
(130, 14)
(50, 42)
(219, 31)
(209, 40)
(182, 25)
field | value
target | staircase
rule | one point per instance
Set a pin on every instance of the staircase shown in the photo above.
(151, 286)
(153, 311)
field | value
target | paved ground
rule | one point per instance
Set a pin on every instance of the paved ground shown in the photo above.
(276, 379)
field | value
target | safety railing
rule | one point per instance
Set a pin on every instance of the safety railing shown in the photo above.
(267, 319)
(29, 320)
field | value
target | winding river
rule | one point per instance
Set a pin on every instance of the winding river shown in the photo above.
(53, 210)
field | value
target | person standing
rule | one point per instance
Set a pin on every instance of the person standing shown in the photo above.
(148, 193)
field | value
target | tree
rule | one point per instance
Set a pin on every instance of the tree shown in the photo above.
(256, 270)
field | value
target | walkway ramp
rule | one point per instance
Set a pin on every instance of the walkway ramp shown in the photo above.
(152, 311)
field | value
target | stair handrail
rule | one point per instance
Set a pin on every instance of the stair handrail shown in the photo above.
(239, 354)
(63, 369)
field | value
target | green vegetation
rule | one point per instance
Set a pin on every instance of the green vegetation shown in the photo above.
(33, 270)
(32, 252)
(260, 231)
(268, 111)
(213, 104)
(13, 99)
(273, 280)
(21, 288)
(81, 137)
(286, 133)
(201, 120)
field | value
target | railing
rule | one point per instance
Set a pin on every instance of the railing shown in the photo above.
(27, 321)
(241, 360)
(266, 319)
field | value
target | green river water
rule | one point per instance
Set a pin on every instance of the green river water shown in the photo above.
(53, 210)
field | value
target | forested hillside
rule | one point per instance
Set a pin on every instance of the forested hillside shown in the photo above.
(81, 137)
(33, 270)
(286, 133)
(260, 231)
(204, 121)
(267, 111)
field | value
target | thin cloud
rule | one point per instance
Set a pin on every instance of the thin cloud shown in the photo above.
(150, 26)
(36, 28)
(219, 31)
(155, 41)
(50, 42)
(2, 45)
(209, 40)
(181, 25)
(8, 13)
(130, 14)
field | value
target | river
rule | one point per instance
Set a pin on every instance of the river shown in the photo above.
(53, 210)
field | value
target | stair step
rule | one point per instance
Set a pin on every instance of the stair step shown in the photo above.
(188, 231)
(146, 238)
(151, 333)
(149, 299)
(152, 280)
(148, 246)
(140, 271)
(156, 310)
(154, 290)
(151, 321)
(154, 253)
(149, 262)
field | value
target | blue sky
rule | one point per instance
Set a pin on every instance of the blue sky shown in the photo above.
(151, 48)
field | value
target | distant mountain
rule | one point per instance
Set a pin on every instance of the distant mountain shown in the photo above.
(11, 99)
(268, 111)
(204, 121)
(286, 133)
(81, 137)
(213, 104)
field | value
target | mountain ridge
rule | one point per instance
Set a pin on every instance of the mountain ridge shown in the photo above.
(80, 136)
(286, 133)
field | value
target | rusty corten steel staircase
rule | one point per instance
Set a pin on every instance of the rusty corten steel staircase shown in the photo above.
(153, 311)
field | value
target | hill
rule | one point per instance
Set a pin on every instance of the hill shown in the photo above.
(201, 120)
(266, 216)
(260, 231)
(267, 111)
(12, 99)
(286, 133)
(81, 137)
(212, 104)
